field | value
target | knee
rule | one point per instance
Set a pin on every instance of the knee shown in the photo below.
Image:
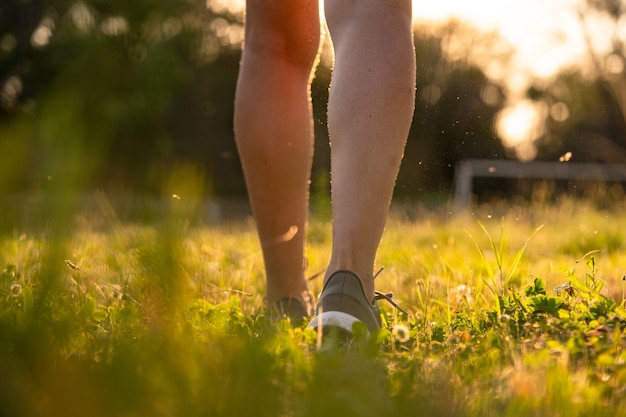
(283, 30)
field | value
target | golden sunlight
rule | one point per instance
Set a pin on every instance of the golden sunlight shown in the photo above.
(546, 36)
(520, 125)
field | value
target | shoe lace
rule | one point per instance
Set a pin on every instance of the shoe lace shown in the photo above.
(378, 295)
(387, 296)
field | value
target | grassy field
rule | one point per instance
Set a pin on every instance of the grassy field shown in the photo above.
(101, 317)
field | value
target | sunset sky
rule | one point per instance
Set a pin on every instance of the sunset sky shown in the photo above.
(547, 33)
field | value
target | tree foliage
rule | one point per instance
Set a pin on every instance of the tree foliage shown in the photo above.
(455, 112)
(117, 94)
(103, 91)
(585, 107)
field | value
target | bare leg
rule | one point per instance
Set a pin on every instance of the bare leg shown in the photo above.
(274, 134)
(370, 111)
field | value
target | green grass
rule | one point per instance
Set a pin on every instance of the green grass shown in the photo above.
(107, 318)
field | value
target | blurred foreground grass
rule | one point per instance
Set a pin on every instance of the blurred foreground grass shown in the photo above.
(100, 317)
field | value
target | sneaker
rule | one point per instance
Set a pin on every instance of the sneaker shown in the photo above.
(343, 303)
(292, 308)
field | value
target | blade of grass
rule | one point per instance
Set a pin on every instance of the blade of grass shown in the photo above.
(482, 256)
(498, 254)
(491, 282)
(520, 253)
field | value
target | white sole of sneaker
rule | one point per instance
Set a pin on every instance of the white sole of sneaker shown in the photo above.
(333, 318)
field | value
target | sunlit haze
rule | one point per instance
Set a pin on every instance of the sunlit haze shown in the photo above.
(546, 33)
(547, 36)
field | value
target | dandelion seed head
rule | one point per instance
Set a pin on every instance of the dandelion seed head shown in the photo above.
(461, 293)
(400, 333)
(16, 290)
(504, 318)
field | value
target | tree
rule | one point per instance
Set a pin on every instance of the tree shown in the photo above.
(91, 92)
(582, 120)
(117, 95)
(456, 108)
(585, 107)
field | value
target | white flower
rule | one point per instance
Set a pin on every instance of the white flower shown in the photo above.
(400, 332)
(16, 290)
(462, 293)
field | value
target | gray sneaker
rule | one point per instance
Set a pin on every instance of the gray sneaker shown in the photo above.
(297, 311)
(343, 303)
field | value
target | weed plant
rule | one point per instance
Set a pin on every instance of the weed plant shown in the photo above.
(506, 318)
